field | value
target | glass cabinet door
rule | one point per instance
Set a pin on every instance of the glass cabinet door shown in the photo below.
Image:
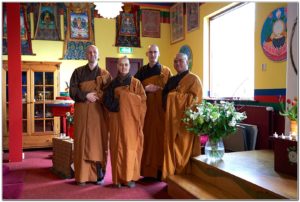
(40, 84)
(43, 93)
(25, 102)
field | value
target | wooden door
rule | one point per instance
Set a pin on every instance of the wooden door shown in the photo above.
(111, 65)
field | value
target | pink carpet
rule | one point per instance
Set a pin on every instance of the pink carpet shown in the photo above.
(12, 183)
(38, 182)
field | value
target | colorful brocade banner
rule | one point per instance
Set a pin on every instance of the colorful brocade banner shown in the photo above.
(128, 28)
(47, 22)
(80, 31)
(76, 50)
(26, 48)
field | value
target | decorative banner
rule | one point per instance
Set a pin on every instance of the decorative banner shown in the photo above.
(76, 50)
(46, 28)
(151, 23)
(274, 35)
(187, 50)
(128, 27)
(26, 47)
(192, 16)
(79, 25)
(176, 21)
(80, 32)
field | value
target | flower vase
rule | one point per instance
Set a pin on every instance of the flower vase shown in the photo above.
(294, 129)
(214, 150)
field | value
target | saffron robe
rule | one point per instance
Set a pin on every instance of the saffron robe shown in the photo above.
(152, 158)
(126, 132)
(90, 125)
(180, 144)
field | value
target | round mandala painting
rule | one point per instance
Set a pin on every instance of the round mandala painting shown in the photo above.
(187, 50)
(274, 35)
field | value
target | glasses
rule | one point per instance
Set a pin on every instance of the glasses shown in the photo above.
(152, 52)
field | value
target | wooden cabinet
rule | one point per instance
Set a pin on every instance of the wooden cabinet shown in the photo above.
(40, 86)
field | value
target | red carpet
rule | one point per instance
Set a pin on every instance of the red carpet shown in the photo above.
(38, 182)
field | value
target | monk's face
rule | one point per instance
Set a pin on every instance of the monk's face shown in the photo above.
(153, 54)
(180, 63)
(92, 54)
(123, 66)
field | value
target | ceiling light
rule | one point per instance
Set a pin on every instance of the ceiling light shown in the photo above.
(108, 9)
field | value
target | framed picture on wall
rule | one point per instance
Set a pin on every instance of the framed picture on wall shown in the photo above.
(192, 16)
(177, 22)
(79, 24)
(80, 33)
(151, 23)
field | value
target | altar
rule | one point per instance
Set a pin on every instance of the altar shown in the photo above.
(239, 175)
(59, 108)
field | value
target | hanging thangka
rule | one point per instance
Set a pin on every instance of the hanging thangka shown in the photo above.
(128, 27)
(79, 32)
(46, 22)
(26, 48)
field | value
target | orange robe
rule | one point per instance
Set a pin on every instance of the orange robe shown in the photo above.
(152, 158)
(126, 132)
(90, 131)
(180, 145)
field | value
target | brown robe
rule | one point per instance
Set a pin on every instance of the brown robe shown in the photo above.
(90, 131)
(126, 134)
(152, 158)
(180, 145)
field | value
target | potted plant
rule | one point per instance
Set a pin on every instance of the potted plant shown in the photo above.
(217, 120)
(290, 110)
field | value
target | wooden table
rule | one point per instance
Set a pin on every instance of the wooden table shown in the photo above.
(247, 174)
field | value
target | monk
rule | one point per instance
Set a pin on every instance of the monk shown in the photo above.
(153, 76)
(90, 126)
(125, 99)
(180, 92)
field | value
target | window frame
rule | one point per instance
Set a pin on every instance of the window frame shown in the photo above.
(207, 55)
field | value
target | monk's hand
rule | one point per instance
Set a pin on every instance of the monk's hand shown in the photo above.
(152, 88)
(92, 97)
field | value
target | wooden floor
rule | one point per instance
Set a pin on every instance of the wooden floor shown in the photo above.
(240, 175)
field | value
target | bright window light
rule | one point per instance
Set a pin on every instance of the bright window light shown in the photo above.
(231, 55)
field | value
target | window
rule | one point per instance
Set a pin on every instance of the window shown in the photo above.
(230, 72)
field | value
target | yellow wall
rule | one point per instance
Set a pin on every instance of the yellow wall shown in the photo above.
(194, 39)
(274, 77)
(104, 40)
(105, 35)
